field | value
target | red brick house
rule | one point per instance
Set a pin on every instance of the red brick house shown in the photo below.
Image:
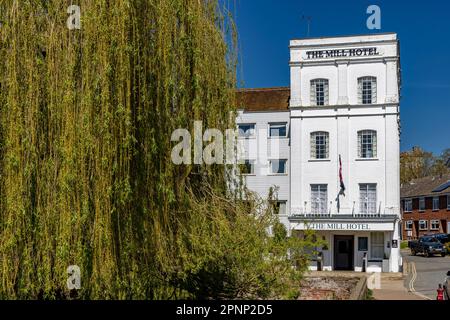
(425, 207)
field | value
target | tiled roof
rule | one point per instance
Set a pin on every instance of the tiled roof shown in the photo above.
(263, 99)
(425, 187)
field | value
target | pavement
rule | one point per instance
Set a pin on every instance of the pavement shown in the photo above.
(392, 288)
(425, 274)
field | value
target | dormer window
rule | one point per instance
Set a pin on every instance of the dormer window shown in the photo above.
(367, 90)
(319, 92)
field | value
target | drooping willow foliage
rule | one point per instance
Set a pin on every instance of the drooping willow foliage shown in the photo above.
(86, 176)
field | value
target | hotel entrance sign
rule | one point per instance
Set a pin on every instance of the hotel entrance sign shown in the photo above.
(340, 226)
(338, 53)
(345, 226)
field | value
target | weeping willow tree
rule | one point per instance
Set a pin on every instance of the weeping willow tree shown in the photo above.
(86, 176)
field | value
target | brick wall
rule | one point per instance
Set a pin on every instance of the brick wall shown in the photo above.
(443, 215)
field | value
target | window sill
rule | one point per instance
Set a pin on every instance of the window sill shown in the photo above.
(407, 211)
(278, 138)
(422, 211)
(319, 160)
(245, 138)
(366, 159)
(277, 175)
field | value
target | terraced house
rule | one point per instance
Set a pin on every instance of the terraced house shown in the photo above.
(329, 143)
(426, 206)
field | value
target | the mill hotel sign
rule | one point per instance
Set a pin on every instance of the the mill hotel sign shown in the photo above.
(338, 53)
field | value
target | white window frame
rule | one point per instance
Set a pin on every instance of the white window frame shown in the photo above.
(322, 153)
(434, 203)
(367, 149)
(252, 134)
(448, 202)
(422, 201)
(278, 124)
(409, 225)
(325, 89)
(367, 198)
(408, 201)
(377, 244)
(252, 164)
(279, 161)
(281, 207)
(319, 198)
(367, 90)
(433, 223)
(426, 225)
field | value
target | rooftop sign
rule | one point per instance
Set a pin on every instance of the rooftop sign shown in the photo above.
(340, 53)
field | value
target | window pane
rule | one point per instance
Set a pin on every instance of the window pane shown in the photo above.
(278, 166)
(248, 167)
(423, 225)
(367, 88)
(319, 92)
(246, 130)
(436, 203)
(367, 144)
(377, 245)
(363, 244)
(278, 130)
(368, 198)
(319, 145)
(319, 198)
(422, 204)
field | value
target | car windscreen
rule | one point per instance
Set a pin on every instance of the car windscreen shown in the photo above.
(430, 239)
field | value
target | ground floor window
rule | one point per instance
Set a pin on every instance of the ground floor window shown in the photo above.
(363, 244)
(408, 225)
(435, 224)
(377, 245)
(448, 202)
(279, 207)
(423, 225)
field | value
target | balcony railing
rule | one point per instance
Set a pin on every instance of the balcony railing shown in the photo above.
(357, 210)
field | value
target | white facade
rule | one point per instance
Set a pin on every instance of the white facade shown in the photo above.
(351, 112)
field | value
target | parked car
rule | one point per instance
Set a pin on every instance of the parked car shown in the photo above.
(428, 246)
(444, 238)
(447, 287)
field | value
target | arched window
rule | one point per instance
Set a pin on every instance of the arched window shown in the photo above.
(320, 145)
(367, 90)
(367, 144)
(319, 92)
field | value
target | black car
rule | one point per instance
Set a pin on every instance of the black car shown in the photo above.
(428, 246)
(443, 238)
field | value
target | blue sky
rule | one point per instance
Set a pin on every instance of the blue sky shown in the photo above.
(266, 26)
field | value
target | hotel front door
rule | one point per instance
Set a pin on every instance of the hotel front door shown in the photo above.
(343, 252)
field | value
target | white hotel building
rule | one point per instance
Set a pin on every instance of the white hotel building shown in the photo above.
(343, 101)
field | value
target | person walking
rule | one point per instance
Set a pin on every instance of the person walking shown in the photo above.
(440, 293)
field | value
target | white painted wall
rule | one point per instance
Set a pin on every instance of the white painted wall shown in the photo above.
(342, 118)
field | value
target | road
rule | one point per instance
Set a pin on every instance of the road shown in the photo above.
(425, 274)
